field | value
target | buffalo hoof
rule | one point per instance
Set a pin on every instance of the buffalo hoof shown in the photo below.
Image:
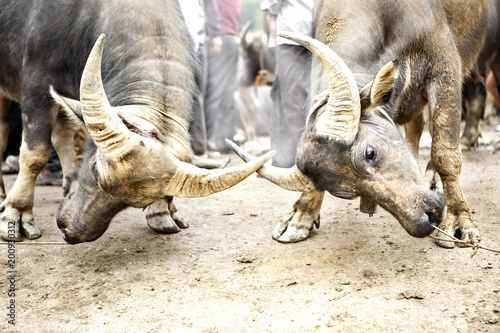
(181, 223)
(9, 231)
(162, 217)
(66, 185)
(291, 235)
(464, 230)
(12, 226)
(468, 142)
(30, 230)
(433, 180)
(163, 224)
(295, 227)
(167, 223)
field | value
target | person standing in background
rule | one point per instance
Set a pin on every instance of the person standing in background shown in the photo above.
(290, 89)
(202, 21)
(222, 79)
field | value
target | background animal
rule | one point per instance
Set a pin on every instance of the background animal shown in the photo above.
(255, 77)
(488, 62)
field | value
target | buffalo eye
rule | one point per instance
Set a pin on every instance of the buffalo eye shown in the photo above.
(370, 153)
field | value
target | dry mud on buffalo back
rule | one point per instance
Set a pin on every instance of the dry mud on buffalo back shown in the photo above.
(225, 273)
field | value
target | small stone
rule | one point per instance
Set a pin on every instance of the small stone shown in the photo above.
(412, 294)
(244, 260)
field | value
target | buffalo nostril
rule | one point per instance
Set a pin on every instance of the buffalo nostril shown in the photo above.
(434, 219)
(62, 223)
(68, 238)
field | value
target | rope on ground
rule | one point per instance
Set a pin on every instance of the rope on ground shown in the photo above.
(470, 243)
(34, 243)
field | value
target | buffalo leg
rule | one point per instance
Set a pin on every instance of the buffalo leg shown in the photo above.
(474, 94)
(296, 225)
(474, 106)
(4, 133)
(18, 206)
(446, 156)
(34, 154)
(63, 139)
(162, 216)
(413, 132)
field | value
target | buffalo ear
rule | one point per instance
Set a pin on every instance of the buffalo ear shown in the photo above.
(70, 107)
(381, 89)
(364, 95)
(378, 92)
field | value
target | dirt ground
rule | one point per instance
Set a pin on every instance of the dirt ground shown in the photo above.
(226, 274)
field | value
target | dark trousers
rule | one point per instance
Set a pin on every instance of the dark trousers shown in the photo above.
(290, 102)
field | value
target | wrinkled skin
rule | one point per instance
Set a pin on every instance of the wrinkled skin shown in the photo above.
(372, 167)
(86, 215)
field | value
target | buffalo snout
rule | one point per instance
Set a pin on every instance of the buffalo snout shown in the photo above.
(435, 207)
(433, 210)
(78, 226)
(70, 234)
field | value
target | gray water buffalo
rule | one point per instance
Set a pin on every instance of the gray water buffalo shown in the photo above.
(256, 68)
(136, 95)
(391, 59)
(474, 88)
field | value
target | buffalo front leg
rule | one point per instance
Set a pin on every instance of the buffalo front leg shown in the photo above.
(474, 100)
(446, 156)
(296, 225)
(162, 216)
(63, 139)
(414, 130)
(17, 208)
(4, 132)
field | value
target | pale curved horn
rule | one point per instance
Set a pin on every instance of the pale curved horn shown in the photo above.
(190, 181)
(107, 130)
(340, 120)
(243, 35)
(288, 178)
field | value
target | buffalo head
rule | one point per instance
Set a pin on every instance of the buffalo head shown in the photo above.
(132, 159)
(352, 148)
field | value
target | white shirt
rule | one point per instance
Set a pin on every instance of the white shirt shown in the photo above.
(195, 19)
(291, 16)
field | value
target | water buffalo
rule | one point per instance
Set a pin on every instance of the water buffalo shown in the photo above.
(394, 58)
(136, 110)
(473, 104)
(256, 68)
(474, 87)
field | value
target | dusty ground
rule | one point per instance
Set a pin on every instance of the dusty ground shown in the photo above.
(226, 274)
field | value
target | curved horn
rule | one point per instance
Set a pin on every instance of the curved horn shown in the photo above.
(206, 163)
(105, 127)
(341, 117)
(190, 181)
(243, 35)
(290, 179)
